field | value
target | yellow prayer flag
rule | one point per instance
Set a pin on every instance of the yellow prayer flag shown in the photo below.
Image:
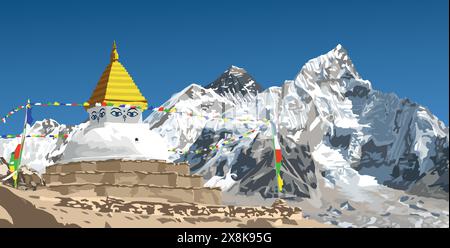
(280, 183)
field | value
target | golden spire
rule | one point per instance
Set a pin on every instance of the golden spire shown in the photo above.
(116, 86)
(114, 54)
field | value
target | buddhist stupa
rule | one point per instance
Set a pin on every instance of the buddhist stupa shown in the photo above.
(115, 129)
(116, 98)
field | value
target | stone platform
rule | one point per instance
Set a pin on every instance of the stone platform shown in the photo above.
(117, 178)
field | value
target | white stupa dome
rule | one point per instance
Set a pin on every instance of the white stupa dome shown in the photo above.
(115, 141)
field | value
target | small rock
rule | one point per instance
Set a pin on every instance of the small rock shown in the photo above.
(30, 177)
(347, 206)
(336, 212)
(371, 221)
(435, 214)
(415, 207)
(404, 198)
(279, 202)
(258, 223)
(345, 224)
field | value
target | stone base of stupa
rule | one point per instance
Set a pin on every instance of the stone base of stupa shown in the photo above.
(142, 179)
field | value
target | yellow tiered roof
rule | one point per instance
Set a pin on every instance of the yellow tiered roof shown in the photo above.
(116, 86)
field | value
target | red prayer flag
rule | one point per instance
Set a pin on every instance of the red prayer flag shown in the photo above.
(17, 151)
(278, 156)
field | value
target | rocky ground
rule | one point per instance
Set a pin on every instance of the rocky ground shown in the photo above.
(43, 208)
(403, 210)
(391, 208)
(376, 206)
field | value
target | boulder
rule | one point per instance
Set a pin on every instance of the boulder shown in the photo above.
(30, 178)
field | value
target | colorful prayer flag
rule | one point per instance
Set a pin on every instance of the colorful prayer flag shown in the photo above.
(14, 162)
(29, 117)
(278, 159)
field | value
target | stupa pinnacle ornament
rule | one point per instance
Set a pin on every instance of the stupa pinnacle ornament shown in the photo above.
(114, 53)
(116, 97)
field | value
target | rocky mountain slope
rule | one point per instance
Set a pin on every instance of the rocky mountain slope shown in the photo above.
(331, 124)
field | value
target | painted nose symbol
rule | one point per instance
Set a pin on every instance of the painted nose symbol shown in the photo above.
(124, 118)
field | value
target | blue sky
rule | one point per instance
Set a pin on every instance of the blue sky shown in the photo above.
(56, 51)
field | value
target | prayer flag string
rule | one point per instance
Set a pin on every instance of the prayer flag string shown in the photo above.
(216, 146)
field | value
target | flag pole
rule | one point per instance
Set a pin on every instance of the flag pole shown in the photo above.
(25, 122)
(22, 142)
(278, 158)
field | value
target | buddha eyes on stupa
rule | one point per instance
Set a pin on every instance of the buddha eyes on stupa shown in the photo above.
(94, 115)
(132, 113)
(102, 113)
(116, 112)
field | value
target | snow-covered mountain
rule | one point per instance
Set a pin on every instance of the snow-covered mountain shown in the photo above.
(342, 142)
(40, 152)
(180, 129)
(236, 85)
(331, 123)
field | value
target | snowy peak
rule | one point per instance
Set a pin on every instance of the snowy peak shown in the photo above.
(196, 95)
(332, 74)
(336, 64)
(235, 83)
(236, 71)
(45, 127)
(340, 55)
(192, 99)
